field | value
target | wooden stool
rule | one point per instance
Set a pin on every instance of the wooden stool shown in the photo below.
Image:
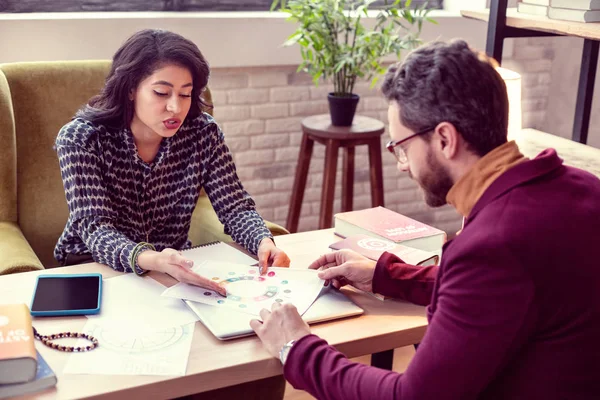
(318, 128)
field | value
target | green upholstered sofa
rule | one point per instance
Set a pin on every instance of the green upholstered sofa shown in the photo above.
(36, 100)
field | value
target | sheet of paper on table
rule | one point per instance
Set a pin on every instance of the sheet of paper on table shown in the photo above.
(133, 300)
(133, 350)
(249, 292)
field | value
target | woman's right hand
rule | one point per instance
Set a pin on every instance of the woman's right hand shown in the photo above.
(170, 261)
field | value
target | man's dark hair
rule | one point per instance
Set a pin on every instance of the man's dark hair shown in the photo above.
(449, 82)
(139, 57)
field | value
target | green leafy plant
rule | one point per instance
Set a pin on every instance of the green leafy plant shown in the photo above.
(335, 43)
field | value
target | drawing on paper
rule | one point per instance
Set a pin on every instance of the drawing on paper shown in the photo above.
(135, 350)
(250, 287)
(148, 341)
(248, 291)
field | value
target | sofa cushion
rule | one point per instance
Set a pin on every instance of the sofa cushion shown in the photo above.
(8, 156)
(45, 96)
(16, 255)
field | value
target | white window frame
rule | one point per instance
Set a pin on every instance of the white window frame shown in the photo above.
(227, 39)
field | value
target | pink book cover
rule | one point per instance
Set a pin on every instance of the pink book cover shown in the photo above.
(373, 248)
(388, 224)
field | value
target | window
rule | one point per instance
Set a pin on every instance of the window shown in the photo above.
(25, 6)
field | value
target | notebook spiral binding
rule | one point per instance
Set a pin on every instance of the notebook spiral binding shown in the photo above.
(203, 245)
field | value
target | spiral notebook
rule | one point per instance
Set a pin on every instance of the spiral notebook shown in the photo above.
(218, 251)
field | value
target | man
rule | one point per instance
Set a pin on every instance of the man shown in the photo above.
(514, 308)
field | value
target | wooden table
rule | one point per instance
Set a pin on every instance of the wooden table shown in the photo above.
(506, 22)
(214, 364)
(318, 128)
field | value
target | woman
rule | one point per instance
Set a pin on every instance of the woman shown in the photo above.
(134, 159)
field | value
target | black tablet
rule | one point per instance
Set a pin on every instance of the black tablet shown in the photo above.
(67, 294)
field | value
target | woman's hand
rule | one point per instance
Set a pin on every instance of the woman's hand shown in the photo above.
(271, 256)
(170, 261)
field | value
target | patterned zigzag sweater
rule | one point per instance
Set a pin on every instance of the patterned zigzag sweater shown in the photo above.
(116, 199)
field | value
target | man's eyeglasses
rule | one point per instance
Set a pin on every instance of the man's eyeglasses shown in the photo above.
(394, 145)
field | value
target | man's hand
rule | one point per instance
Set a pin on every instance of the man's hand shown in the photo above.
(270, 256)
(170, 261)
(345, 267)
(279, 326)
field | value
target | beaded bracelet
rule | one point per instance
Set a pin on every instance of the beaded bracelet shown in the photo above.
(136, 252)
(47, 340)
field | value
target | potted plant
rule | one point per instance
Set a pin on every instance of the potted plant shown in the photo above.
(336, 45)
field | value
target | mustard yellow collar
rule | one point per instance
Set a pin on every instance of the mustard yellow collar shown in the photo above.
(469, 188)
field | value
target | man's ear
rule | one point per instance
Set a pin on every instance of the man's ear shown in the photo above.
(448, 139)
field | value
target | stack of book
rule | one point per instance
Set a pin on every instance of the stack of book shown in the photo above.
(373, 231)
(568, 10)
(387, 225)
(534, 7)
(22, 369)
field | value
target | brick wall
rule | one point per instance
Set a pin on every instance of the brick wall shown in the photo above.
(532, 58)
(260, 111)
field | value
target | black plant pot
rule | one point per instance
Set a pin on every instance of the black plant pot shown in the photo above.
(342, 109)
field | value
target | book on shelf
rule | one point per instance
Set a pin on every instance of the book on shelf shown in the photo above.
(533, 9)
(386, 224)
(18, 361)
(576, 4)
(574, 15)
(537, 2)
(44, 378)
(373, 248)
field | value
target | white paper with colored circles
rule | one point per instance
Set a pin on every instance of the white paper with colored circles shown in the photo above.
(248, 291)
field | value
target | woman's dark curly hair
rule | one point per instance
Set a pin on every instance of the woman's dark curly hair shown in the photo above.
(141, 55)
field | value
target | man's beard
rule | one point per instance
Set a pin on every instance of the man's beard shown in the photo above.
(435, 182)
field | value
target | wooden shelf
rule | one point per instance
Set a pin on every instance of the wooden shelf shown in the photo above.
(590, 30)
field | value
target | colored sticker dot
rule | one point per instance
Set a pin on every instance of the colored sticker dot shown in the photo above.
(207, 293)
(232, 273)
(287, 291)
(242, 306)
(252, 271)
(260, 279)
(279, 300)
(216, 278)
(220, 301)
(284, 282)
(271, 273)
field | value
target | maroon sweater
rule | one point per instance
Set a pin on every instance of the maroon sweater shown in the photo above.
(514, 312)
